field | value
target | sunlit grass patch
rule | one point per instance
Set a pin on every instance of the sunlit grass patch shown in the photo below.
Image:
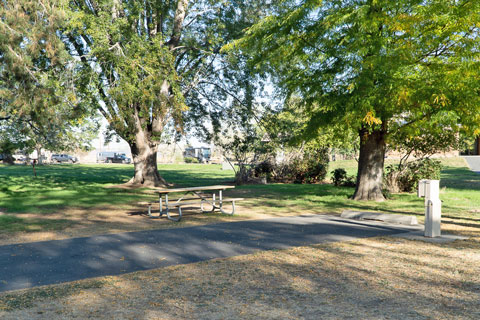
(60, 189)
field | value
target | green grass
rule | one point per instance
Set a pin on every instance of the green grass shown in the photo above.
(459, 191)
(10, 223)
(59, 187)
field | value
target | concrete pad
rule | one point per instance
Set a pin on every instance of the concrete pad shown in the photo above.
(473, 162)
(418, 235)
(377, 216)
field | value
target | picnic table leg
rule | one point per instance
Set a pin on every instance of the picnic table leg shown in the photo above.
(202, 203)
(205, 200)
(221, 204)
(166, 204)
(179, 215)
(214, 200)
(220, 195)
(229, 213)
(161, 205)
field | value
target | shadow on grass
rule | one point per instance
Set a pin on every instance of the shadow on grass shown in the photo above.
(463, 224)
(16, 224)
(26, 299)
(60, 186)
(460, 179)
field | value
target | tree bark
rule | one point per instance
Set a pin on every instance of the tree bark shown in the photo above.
(39, 154)
(144, 153)
(145, 164)
(8, 159)
(370, 166)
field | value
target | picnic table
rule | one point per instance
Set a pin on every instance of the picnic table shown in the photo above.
(193, 196)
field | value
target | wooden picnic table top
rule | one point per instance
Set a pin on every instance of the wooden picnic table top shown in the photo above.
(191, 189)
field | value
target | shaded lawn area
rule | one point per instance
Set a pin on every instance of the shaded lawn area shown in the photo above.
(45, 202)
(459, 192)
(59, 188)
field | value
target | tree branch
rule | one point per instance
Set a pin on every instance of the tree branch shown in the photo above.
(178, 23)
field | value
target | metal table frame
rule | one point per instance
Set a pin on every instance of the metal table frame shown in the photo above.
(216, 203)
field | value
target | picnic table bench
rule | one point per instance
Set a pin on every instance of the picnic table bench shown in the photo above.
(193, 196)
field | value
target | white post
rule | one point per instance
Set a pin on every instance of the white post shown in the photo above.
(430, 189)
(421, 188)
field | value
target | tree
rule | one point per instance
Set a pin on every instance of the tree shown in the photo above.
(143, 62)
(38, 104)
(376, 66)
(64, 134)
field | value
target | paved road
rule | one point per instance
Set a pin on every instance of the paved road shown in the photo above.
(473, 162)
(50, 262)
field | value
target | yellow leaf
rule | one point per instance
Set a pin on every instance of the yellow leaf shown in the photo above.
(370, 119)
(351, 87)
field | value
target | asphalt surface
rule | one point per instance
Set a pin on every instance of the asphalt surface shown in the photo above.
(473, 162)
(51, 262)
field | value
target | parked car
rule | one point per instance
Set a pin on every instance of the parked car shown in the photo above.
(112, 157)
(19, 158)
(59, 158)
(118, 158)
(201, 154)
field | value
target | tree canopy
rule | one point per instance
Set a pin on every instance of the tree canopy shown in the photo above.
(141, 63)
(37, 94)
(379, 67)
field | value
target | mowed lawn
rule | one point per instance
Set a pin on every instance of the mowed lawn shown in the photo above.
(60, 186)
(375, 278)
(66, 197)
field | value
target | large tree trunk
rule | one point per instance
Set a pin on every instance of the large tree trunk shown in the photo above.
(144, 153)
(8, 159)
(145, 164)
(370, 166)
(39, 154)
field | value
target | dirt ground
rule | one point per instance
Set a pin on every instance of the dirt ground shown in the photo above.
(376, 278)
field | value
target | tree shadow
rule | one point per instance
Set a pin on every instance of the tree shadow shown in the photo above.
(322, 281)
(460, 179)
(60, 186)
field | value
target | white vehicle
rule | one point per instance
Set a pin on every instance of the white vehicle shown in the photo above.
(59, 158)
(19, 158)
(102, 156)
(201, 154)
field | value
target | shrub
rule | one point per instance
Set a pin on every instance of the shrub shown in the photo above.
(264, 169)
(340, 178)
(191, 160)
(309, 167)
(405, 178)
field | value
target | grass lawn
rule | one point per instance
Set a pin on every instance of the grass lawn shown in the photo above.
(76, 200)
(376, 278)
(60, 186)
